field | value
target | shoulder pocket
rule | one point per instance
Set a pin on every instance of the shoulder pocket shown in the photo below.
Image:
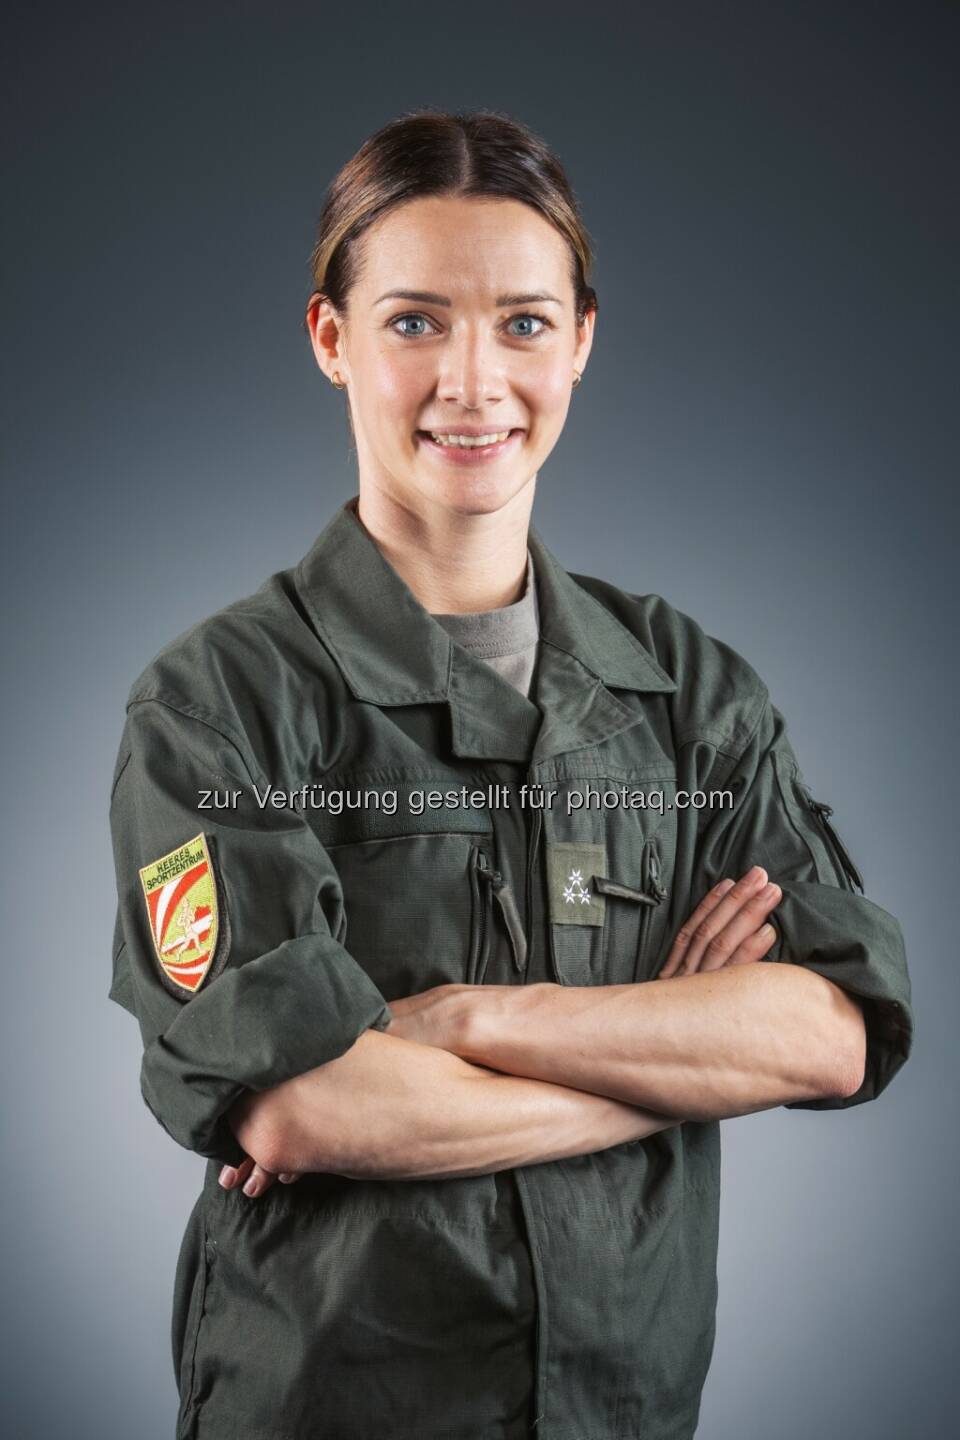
(847, 872)
(811, 819)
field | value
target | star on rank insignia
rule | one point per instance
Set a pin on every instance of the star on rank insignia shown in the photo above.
(180, 891)
(575, 890)
(571, 866)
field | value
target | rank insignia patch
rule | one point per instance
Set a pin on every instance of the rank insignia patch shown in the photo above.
(571, 866)
(180, 891)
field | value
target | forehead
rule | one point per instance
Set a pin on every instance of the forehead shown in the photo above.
(468, 244)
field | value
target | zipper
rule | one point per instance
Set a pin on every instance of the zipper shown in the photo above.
(536, 824)
(822, 810)
(654, 893)
(603, 886)
(478, 958)
(505, 898)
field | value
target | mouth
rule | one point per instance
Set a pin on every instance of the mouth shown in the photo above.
(469, 446)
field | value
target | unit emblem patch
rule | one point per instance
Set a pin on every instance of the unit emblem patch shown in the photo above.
(180, 891)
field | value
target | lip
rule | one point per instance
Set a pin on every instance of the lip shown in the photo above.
(472, 455)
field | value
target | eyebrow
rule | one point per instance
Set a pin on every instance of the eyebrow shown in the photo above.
(429, 297)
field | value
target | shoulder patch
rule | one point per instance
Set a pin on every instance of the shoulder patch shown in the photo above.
(185, 914)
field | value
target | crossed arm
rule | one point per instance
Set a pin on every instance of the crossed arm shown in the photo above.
(472, 1079)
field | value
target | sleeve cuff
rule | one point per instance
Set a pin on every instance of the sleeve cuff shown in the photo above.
(854, 943)
(260, 1024)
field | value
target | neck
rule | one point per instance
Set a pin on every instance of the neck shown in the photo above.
(454, 563)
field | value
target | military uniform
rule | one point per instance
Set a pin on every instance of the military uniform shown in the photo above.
(263, 925)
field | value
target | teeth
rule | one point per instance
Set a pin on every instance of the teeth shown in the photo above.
(470, 441)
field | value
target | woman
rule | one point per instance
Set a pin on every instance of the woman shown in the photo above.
(438, 810)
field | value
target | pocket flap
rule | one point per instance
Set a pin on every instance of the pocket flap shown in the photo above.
(356, 812)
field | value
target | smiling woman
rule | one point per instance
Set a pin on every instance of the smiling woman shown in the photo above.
(454, 404)
(435, 1018)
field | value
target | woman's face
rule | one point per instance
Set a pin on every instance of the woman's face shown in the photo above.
(460, 325)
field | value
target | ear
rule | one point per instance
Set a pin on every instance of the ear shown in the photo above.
(325, 328)
(584, 341)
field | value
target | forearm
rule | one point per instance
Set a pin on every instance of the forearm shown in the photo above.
(703, 1047)
(393, 1109)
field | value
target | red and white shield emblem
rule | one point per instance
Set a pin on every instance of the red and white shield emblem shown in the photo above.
(181, 897)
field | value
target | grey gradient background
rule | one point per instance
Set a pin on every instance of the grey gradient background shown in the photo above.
(761, 436)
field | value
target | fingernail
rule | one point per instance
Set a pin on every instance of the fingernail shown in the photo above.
(285, 1179)
(724, 886)
(767, 931)
(228, 1177)
(770, 890)
(758, 874)
(252, 1187)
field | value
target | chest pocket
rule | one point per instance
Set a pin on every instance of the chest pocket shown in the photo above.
(609, 876)
(415, 911)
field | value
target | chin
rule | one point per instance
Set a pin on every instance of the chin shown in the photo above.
(477, 494)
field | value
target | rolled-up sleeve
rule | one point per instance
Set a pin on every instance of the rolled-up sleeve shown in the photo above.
(281, 995)
(822, 923)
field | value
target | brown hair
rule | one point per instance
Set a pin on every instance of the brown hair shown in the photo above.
(434, 152)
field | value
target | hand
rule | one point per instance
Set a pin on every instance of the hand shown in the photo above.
(254, 1179)
(434, 1017)
(727, 927)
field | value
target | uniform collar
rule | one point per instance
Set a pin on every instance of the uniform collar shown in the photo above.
(391, 651)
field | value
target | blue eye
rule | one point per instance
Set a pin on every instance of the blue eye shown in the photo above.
(525, 320)
(417, 320)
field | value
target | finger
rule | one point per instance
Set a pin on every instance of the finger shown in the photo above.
(707, 920)
(289, 1177)
(686, 932)
(747, 921)
(703, 932)
(233, 1175)
(755, 946)
(259, 1181)
(745, 888)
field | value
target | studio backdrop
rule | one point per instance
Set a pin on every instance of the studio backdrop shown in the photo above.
(762, 437)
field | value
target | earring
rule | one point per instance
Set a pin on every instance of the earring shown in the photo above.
(336, 381)
(577, 381)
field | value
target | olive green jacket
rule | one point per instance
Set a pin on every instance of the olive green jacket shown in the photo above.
(261, 930)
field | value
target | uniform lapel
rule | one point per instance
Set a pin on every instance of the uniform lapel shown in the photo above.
(391, 651)
(584, 652)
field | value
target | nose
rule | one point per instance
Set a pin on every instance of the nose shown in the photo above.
(471, 370)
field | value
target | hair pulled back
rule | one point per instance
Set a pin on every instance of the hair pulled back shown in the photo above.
(480, 153)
